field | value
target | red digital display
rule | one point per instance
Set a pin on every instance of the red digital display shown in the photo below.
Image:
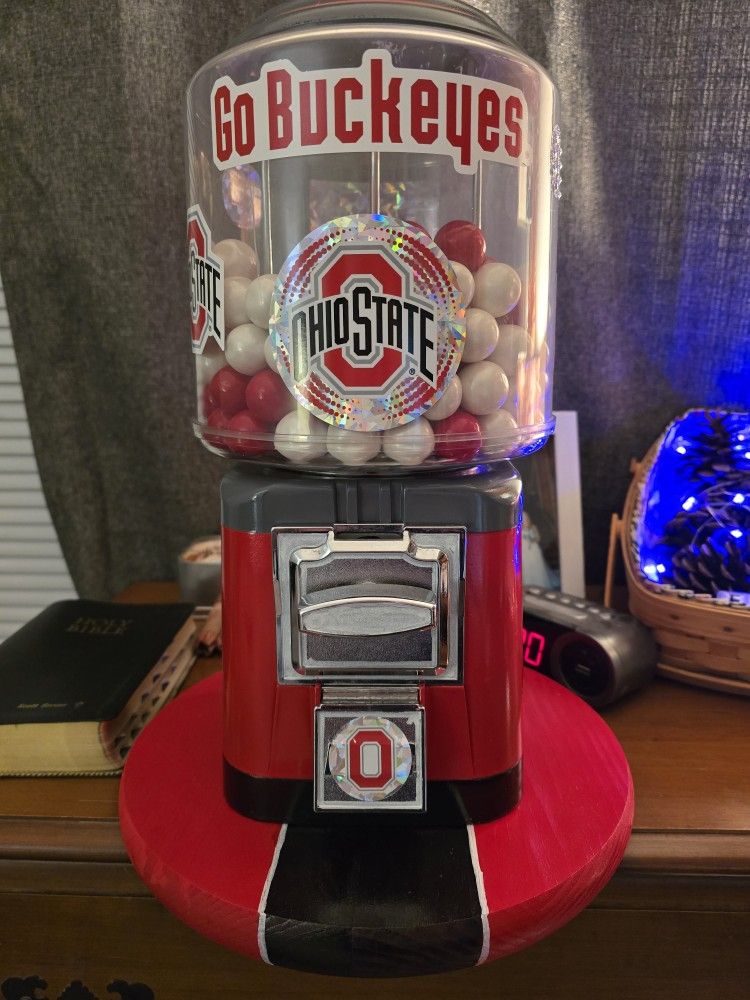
(539, 640)
(533, 648)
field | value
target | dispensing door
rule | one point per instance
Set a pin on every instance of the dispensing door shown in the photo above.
(369, 614)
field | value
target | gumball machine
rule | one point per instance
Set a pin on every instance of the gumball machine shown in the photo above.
(372, 191)
(371, 240)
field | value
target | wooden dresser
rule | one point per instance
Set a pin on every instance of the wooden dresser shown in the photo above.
(673, 923)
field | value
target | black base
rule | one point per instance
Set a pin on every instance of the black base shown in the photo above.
(449, 803)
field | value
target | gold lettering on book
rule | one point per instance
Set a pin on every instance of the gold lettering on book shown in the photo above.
(100, 626)
(44, 704)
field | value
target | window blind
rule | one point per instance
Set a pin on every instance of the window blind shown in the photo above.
(32, 568)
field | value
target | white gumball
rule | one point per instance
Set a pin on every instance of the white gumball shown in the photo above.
(485, 387)
(513, 346)
(409, 444)
(235, 292)
(208, 363)
(240, 260)
(497, 288)
(481, 336)
(258, 299)
(448, 403)
(353, 447)
(496, 427)
(245, 349)
(300, 437)
(465, 282)
(268, 353)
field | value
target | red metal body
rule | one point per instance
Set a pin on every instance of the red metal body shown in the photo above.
(472, 729)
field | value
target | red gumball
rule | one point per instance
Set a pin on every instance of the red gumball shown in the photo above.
(208, 403)
(219, 421)
(227, 388)
(466, 428)
(249, 426)
(464, 242)
(267, 398)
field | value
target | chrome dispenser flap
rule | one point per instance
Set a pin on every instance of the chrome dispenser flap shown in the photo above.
(362, 609)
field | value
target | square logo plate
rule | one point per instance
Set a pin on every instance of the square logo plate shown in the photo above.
(369, 762)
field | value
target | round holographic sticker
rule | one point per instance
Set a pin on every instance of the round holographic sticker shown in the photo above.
(367, 323)
(370, 758)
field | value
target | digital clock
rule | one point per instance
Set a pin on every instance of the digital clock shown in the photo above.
(598, 653)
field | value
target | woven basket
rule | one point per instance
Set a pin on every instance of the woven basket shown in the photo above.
(702, 640)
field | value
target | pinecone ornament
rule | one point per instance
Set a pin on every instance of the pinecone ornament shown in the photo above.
(713, 445)
(703, 470)
(709, 544)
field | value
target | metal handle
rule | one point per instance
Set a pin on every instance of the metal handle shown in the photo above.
(362, 610)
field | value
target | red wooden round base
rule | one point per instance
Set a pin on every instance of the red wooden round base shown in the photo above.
(378, 902)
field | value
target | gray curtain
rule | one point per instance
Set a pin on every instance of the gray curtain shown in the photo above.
(654, 262)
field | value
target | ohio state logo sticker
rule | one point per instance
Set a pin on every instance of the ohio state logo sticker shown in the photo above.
(367, 324)
(206, 284)
(370, 758)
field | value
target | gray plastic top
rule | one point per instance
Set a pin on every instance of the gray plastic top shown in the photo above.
(258, 500)
(453, 14)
